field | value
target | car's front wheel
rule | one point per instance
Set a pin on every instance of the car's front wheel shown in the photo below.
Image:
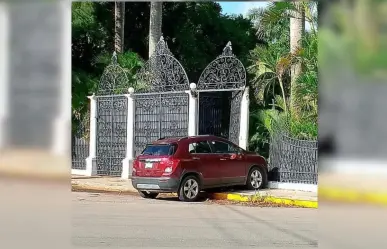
(256, 179)
(189, 189)
(148, 195)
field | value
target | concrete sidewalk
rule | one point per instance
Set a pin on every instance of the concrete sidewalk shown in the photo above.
(122, 186)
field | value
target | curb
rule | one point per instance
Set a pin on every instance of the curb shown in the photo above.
(80, 188)
(352, 196)
(244, 198)
(214, 196)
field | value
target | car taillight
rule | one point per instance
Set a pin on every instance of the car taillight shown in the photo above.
(135, 167)
(171, 165)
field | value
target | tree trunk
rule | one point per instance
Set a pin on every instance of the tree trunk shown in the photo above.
(119, 21)
(155, 24)
(297, 29)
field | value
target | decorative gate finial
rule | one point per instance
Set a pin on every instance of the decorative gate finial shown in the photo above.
(227, 51)
(162, 48)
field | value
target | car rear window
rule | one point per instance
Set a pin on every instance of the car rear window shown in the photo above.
(160, 150)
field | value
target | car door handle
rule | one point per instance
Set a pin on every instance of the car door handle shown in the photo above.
(223, 159)
(195, 158)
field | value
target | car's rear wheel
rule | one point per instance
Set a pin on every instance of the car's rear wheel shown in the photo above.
(148, 195)
(189, 189)
(256, 179)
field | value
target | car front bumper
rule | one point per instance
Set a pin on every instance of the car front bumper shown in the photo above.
(155, 184)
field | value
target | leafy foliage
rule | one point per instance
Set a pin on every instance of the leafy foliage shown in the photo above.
(270, 67)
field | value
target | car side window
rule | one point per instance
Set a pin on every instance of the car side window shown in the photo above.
(222, 147)
(199, 147)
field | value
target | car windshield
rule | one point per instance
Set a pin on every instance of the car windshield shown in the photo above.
(159, 150)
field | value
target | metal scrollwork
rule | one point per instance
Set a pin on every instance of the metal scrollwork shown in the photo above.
(225, 72)
(162, 73)
(79, 143)
(111, 134)
(233, 135)
(114, 79)
(292, 160)
(159, 115)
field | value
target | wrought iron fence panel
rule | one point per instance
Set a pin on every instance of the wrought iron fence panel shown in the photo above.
(235, 116)
(79, 145)
(159, 116)
(292, 160)
(111, 134)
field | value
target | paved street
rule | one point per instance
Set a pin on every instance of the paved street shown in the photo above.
(113, 221)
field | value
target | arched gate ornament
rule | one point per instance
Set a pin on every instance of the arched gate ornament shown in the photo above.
(162, 72)
(114, 79)
(225, 72)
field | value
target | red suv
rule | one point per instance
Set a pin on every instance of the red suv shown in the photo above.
(191, 164)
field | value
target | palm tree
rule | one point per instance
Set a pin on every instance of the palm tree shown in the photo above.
(297, 29)
(155, 23)
(273, 64)
(119, 21)
(275, 17)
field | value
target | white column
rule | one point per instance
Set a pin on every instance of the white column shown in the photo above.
(193, 111)
(126, 162)
(4, 70)
(91, 164)
(244, 121)
(62, 124)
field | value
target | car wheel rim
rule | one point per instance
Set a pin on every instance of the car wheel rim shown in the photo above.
(256, 179)
(191, 189)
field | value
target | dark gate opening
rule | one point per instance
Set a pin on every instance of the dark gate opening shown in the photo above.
(219, 114)
(214, 113)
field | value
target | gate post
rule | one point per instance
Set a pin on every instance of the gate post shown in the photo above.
(127, 161)
(91, 164)
(244, 121)
(193, 111)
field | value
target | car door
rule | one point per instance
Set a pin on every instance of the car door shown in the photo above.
(205, 163)
(232, 168)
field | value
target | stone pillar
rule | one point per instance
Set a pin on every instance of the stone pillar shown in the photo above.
(4, 69)
(193, 111)
(91, 164)
(244, 121)
(127, 161)
(61, 144)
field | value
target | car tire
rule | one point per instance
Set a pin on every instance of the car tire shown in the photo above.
(189, 190)
(256, 179)
(148, 195)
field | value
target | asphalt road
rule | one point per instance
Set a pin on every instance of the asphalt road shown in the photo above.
(113, 221)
